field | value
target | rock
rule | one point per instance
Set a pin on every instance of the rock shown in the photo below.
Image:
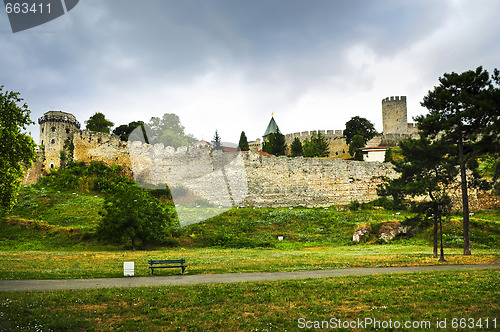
(361, 233)
(390, 229)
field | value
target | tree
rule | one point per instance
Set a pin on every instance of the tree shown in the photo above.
(17, 150)
(426, 169)
(243, 143)
(462, 108)
(359, 126)
(321, 144)
(124, 131)
(99, 123)
(309, 149)
(357, 143)
(217, 143)
(132, 216)
(169, 131)
(316, 147)
(296, 148)
(275, 144)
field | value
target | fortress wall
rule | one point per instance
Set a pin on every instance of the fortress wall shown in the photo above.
(282, 181)
(252, 179)
(335, 139)
(102, 147)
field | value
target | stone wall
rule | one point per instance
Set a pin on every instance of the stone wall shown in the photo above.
(101, 147)
(255, 180)
(282, 181)
(336, 140)
(246, 178)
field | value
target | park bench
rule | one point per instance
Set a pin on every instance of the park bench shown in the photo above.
(167, 264)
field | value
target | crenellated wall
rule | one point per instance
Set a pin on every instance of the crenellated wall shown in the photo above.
(335, 139)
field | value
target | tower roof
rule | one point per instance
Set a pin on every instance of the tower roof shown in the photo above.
(272, 128)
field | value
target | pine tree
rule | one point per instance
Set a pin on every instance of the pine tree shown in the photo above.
(243, 143)
(463, 108)
(296, 148)
(217, 143)
(275, 144)
(321, 144)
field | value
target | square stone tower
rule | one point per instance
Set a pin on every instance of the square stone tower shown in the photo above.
(394, 115)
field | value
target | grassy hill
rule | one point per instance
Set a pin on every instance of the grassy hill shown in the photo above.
(46, 217)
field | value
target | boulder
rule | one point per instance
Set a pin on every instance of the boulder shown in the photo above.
(361, 233)
(390, 229)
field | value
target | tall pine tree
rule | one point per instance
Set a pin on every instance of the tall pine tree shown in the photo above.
(243, 143)
(462, 108)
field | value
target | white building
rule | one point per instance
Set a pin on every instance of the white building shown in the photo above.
(376, 153)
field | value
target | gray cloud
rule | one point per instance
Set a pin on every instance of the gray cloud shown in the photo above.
(133, 60)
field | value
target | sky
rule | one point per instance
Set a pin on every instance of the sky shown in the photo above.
(227, 65)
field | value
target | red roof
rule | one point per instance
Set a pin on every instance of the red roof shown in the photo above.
(375, 148)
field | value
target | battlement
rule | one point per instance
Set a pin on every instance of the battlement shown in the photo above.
(308, 134)
(394, 99)
(58, 116)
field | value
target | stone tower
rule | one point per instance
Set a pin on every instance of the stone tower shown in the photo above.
(56, 129)
(394, 115)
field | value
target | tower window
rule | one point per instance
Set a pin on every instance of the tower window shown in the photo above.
(53, 141)
(42, 130)
(67, 130)
(42, 141)
(53, 129)
(51, 165)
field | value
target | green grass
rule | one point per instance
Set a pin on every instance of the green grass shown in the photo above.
(59, 208)
(95, 264)
(50, 234)
(262, 306)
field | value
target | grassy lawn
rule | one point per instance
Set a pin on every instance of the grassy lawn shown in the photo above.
(94, 264)
(422, 299)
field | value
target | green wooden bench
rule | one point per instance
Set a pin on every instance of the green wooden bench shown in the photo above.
(167, 264)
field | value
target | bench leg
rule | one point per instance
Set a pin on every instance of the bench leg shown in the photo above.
(183, 268)
(152, 269)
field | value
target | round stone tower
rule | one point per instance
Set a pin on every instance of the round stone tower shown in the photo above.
(394, 115)
(56, 132)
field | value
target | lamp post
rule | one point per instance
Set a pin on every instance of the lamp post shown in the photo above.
(440, 209)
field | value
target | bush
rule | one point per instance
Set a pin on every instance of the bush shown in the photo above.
(132, 216)
(76, 175)
(354, 205)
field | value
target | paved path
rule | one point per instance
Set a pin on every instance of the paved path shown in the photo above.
(68, 284)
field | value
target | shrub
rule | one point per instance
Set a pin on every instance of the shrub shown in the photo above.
(354, 205)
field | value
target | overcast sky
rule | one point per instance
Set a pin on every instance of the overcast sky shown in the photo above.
(229, 64)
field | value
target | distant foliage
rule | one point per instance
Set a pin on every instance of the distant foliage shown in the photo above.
(124, 131)
(359, 126)
(167, 130)
(99, 123)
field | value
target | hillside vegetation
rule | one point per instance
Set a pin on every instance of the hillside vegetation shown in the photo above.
(47, 217)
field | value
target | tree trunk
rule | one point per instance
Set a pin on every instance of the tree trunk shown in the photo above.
(465, 197)
(435, 234)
